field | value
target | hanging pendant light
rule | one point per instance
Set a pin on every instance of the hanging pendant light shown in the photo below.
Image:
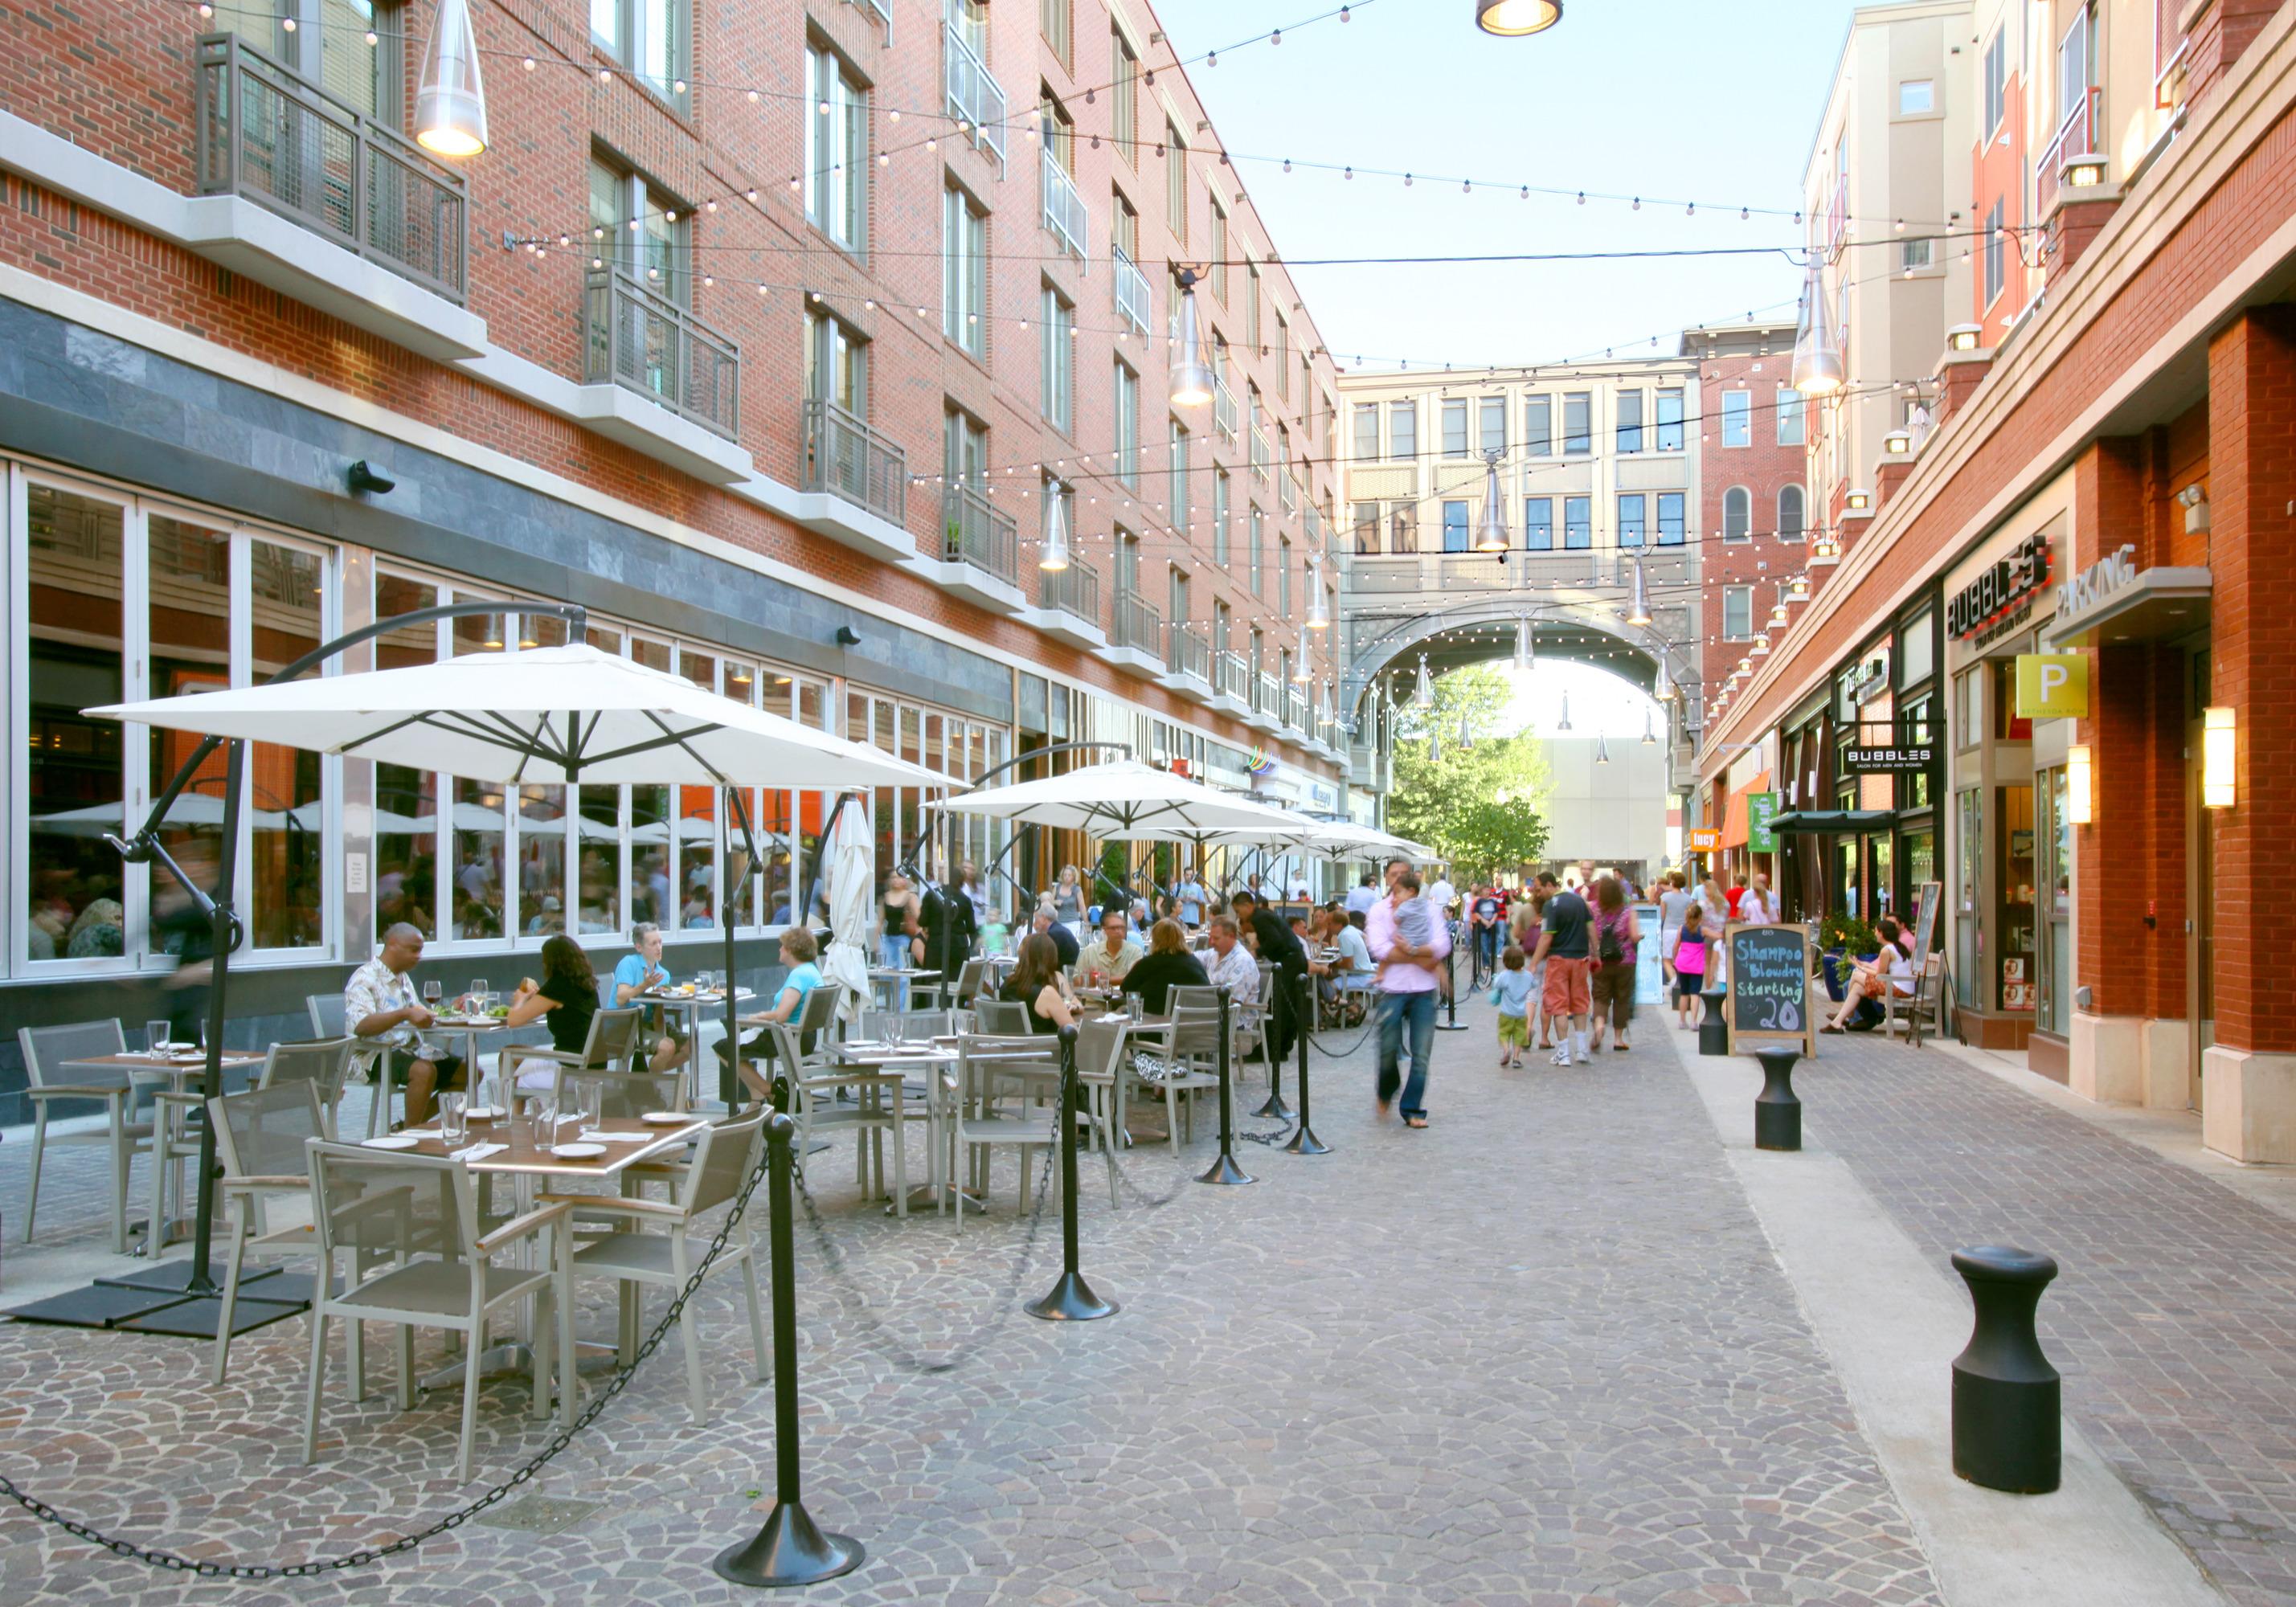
(1650, 737)
(1602, 748)
(1513, 19)
(1565, 723)
(1192, 381)
(1056, 531)
(1466, 731)
(450, 105)
(1492, 536)
(1662, 684)
(1434, 747)
(1303, 670)
(1319, 604)
(1424, 696)
(1816, 353)
(1526, 649)
(1638, 606)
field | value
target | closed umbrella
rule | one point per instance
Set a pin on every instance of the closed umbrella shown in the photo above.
(851, 881)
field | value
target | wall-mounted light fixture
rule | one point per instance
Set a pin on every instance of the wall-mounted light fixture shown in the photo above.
(2195, 500)
(2084, 172)
(1897, 443)
(1859, 501)
(2217, 756)
(2079, 788)
(1964, 337)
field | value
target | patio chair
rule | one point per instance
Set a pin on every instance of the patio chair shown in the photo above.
(125, 1135)
(815, 1086)
(260, 1137)
(1187, 1041)
(723, 1157)
(1104, 1067)
(324, 1063)
(626, 1095)
(326, 1014)
(1001, 1018)
(992, 1071)
(1923, 1010)
(416, 1220)
(613, 1038)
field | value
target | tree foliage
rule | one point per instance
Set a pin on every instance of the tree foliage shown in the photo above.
(1481, 805)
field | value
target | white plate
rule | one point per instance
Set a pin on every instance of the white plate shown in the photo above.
(666, 1119)
(483, 1113)
(390, 1141)
(578, 1152)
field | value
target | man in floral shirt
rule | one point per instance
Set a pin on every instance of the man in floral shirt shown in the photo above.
(380, 1009)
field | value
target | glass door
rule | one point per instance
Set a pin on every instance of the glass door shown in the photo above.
(2018, 847)
(2053, 908)
(2200, 892)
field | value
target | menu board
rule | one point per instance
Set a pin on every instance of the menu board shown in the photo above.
(1769, 969)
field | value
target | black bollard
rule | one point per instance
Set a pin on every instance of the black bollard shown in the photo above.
(1304, 1141)
(1224, 1169)
(1713, 1031)
(2007, 1431)
(790, 1549)
(1777, 1113)
(1450, 997)
(1071, 1299)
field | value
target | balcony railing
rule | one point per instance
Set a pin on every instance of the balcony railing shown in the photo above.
(1064, 209)
(1132, 298)
(1270, 699)
(1295, 709)
(1837, 223)
(2076, 137)
(288, 145)
(847, 458)
(647, 342)
(1313, 523)
(976, 532)
(1224, 412)
(1232, 676)
(1188, 654)
(1260, 454)
(1138, 625)
(1074, 591)
(1288, 490)
(974, 95)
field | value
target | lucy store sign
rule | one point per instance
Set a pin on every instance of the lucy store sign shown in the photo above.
(2000, 598)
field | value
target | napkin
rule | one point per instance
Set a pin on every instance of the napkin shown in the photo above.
(595, 1137)
(480, 1151)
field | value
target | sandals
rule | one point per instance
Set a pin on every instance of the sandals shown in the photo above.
(1415, 1121)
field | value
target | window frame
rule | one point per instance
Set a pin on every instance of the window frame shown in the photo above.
(1579, 437)
(837, 165)
(1743, 496)
(1737, 419)
(1791, 417)
(964, 272)
(1056, 359)
(1742, 596)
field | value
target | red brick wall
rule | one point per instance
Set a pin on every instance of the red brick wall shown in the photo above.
(1763, 467)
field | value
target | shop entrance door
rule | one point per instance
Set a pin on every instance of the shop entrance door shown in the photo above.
(2200, 885)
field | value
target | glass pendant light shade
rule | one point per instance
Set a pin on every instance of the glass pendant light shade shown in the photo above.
(1492, 535)
(1650, 737)
(1319, 603)
(1526, 650)
(1565, 723)
(1662, 684)
(1639, 603)
(1602, 748)
(1192, 381)
(1056, 531)
(1303, 670)
(1423, 697)
(1816, 353)
(1466, 731)
(1512, 19)
(450, 104)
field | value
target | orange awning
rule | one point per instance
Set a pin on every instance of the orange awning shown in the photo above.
(1733, 819)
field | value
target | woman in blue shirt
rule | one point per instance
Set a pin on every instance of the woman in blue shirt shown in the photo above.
(799, 951)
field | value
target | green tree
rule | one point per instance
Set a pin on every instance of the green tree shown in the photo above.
(1479, 805)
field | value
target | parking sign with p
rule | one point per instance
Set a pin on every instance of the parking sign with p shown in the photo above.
(2052, 686)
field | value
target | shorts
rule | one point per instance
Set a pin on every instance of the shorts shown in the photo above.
(1688, 985)
(1515, 1031)
(1612, 991)
(1567, 991)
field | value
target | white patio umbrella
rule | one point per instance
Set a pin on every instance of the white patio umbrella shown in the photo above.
(1127, 800)
(852, 881)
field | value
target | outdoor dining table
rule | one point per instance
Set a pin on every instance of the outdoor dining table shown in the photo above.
(175, 1069)
(890, 978)
(872, 1067)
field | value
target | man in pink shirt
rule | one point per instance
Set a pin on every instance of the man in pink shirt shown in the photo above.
(1406, 956)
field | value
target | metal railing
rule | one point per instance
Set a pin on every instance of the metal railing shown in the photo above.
(1295, 709)
(1137, 623)
(974, 95)
(1260, 454)
(1064, 209)
(976, 532)
(1232, 676)
(2076, 136)
(1288, 491)
(271, 136)
(1133, 302)
(844, 457)
(1224, 410)
(1270, 699)
(645, 341)
(1187, 653)
(1313, 524)
(1074, 591)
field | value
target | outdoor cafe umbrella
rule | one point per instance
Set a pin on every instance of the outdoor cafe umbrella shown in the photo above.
(851, 881)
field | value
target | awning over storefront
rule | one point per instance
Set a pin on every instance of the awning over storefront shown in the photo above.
(1834, 823)
(2113, 601)
(1735, 828)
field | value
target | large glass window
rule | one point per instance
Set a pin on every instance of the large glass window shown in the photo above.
(1127, 426)
(1629, 422)
(1056, 341)
(1578, 422)
(1402, 429)
(1791, 525)
(1539, 426)
(1367, 437)
(965, 272)
(1490, 419)
(287, 595)
(1577, 523)
(837, 152)
(1790, 417)
(1633, 518)
(651, 37)
(1454, 427)
(1670, 519)
(1538, 524)
(1454, 527)
(1668, 434)
(1737, 613)
(1737, 418)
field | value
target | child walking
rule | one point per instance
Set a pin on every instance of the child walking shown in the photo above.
(1511, 992)
(1689, 957)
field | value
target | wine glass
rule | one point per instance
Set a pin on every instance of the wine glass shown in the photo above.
(432, 993)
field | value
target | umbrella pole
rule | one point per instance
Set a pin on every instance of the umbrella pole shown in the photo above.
(729, 1076)
(223, 928)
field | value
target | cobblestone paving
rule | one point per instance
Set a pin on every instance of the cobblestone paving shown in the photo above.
(2173, 1317)
(1537, 1354)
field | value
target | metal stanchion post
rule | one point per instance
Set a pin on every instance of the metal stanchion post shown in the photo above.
(1778, 1112)
(1273, 1107)
(1450, 995)
(1713, 1031)
(1071, 1299)
(1224, 1169)
(1304, 1141)
(790, 1549)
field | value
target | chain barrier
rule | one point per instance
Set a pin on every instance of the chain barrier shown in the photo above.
(174, 1562)
(1139, 1195)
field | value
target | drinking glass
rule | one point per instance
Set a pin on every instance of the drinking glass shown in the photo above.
(702, 980)
(545, 1121)
(155, 1038)
(431, 994)
(897, 1027)
(478, 996)
(593, 1105)
(454, 1119)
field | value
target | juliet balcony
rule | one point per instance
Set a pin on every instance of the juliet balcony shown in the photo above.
(645, 342)
(847, 459)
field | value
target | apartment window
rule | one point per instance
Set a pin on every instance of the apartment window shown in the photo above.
(1176, 184)
(1251, 305)
(1402, 429)
(1175, 596)
(1454, 427)
(1219, 253)
(836, 364)
(1578, 523)
(1633, 532)
(1737, 613)
(1128, 562)
(1454, 527)
(1127, 426)
(1056, 349)
(1669, 433)
(1629, 404)
(1402, 527)
(649, 247)
(1223, 629)
(1284, 358)
(1259, 554)
(1671, 505)
(2073, 75)
(1737, 418)
(1790, 513)
(1913, 254)
(1124, 226)
(1284, 577)
(1539, 426)
(1054, 20)
(1916, 97)
(1059, 129)
(1219, 516)
(837, 153)
(1366, 448)
(1578, 422)
(965, 272)
(1738, 513)
(1790, 417)
(1490, 424)
(1182, 446)
(1538, 524)
(1124, 97)
(1997, 81)
(1365, 517)
(1996, 266)
(651, 37)
(964, 448)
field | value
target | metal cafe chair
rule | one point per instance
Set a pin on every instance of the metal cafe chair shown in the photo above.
(324, 1063)
(326, 1014)
(991, 1071)
(623, 1094)
(1104, 1068)
(124, 1136)
(260, 1137)
(613, 1038)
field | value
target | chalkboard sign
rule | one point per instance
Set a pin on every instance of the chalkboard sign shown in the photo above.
(1925, 914)
(1769, 1000)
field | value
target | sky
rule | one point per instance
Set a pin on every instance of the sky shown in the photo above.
(1678, 101)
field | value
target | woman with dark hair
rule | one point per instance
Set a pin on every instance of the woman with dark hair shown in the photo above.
(1040, 987)
(1168, 963)
(566, 997)
(1617, 937)
(1891, 968)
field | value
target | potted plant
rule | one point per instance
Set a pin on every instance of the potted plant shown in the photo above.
(1838, 934)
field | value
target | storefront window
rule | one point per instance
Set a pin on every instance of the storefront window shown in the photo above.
(405, 800)
(1969, 924)
(2018, 978)
(286, 587)
(2008, 726)
(2057, 910)
(1916, 729)
(189, 616)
